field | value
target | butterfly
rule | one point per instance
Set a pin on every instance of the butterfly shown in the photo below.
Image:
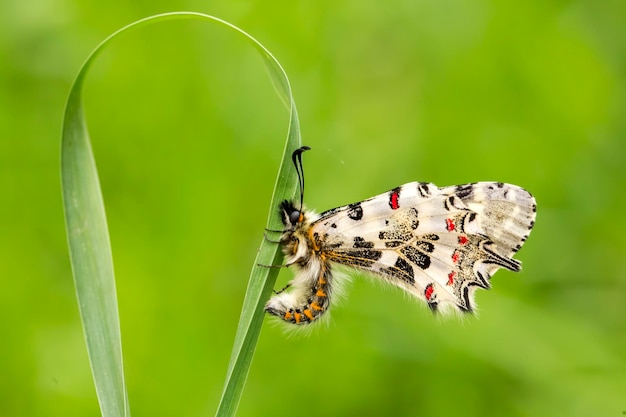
(438, 244)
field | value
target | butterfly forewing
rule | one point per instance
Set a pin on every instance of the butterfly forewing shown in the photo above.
(505, 212)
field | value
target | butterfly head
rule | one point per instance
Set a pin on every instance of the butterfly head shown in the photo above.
(295, 237)
(290, 215)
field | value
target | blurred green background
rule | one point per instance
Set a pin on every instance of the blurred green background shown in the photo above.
(188, 134)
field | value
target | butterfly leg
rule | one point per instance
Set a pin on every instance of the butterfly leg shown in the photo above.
(282, 289)
(272, 231)
(268, 239)
(272, 266)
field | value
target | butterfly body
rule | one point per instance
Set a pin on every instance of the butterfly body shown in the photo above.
(439, 244)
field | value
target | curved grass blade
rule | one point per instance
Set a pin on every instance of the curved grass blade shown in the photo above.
(90, 251)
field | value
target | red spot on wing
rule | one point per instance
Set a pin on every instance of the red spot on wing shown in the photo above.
(463, 240)
(455, 257)
(428, 292)
(393, 200)
(451, 276)
(449, 225)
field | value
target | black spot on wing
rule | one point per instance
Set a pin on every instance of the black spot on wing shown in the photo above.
(370, 254)
(393, 243)
(405, 267)
(422, 189)
(401, 270)
(466, 304)
(425, 246)
(464, 190)
(416, 257)
(502, 261)
(448, 203)
(355, 211)
(363, 258)
(359, 242)
(359, 257)
(482, 282)
(396, 233)
(453, 202)
(413, 218)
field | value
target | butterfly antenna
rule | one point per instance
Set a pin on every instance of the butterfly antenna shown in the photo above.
(297, 162)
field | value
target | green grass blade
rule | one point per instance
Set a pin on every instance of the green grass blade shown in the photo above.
(90, 255)
(260, 285)
(90, 250)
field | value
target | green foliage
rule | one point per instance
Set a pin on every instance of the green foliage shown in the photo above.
(90, 250)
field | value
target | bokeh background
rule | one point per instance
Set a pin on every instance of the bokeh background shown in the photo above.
(188, 135)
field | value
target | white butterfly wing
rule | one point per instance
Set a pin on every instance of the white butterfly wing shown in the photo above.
(506, 213)
(437, 243)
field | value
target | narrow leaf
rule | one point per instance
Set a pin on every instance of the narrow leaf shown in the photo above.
(90, 249)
